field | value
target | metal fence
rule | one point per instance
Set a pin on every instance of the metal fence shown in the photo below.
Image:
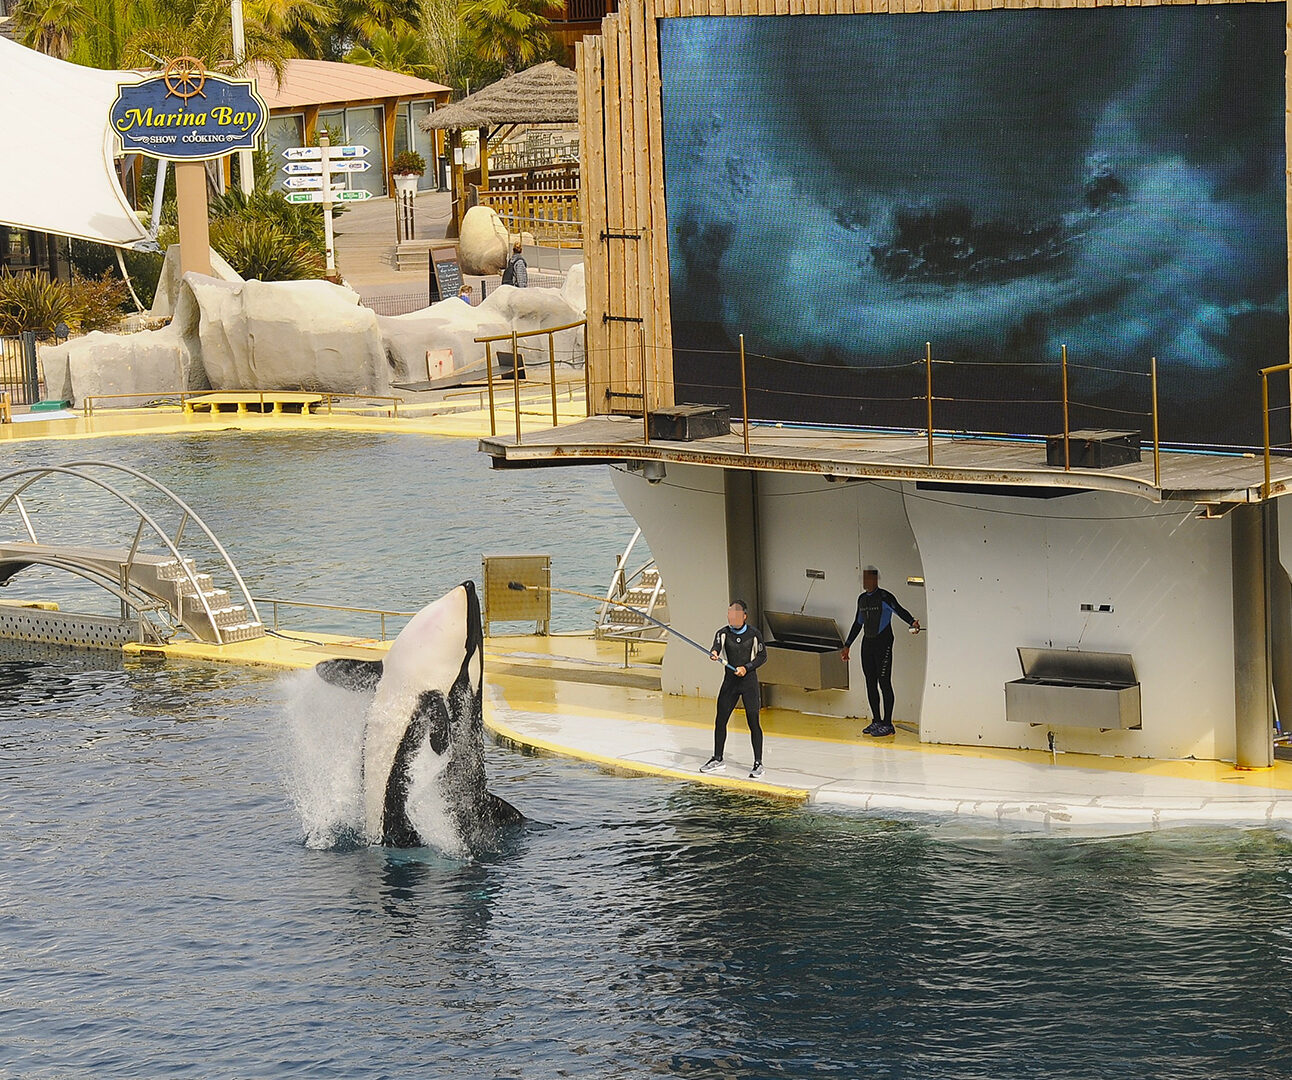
(19, 375)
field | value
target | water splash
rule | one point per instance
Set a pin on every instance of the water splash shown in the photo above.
(320, 744)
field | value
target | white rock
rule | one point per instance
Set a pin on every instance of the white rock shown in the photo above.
(168, 283)
(484, 244)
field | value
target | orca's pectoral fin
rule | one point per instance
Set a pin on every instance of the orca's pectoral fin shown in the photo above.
(501, 811)
(359, 676)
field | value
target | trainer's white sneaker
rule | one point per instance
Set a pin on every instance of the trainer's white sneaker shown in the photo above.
(714, 764)
(756, 771)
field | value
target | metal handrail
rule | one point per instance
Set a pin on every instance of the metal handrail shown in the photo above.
(275, 601)
(515, 336)
(87, 402)
(48, 470)
(1265, 374)
(189, 514)
(327, 397)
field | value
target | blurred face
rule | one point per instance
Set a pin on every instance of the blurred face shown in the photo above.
(735, 616)
(870, 581)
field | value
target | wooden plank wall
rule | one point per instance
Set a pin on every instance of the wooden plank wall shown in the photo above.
(622, 178)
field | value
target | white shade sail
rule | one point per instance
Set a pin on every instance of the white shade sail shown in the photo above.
(57, 149)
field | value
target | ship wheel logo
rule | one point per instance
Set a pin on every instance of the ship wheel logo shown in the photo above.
(184, 77)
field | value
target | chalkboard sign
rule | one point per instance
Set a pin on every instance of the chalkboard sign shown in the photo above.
(445, 274)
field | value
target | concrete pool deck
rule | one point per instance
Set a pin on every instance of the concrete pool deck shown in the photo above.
(573, 697)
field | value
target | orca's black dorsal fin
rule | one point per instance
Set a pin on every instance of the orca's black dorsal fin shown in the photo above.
(360, 676)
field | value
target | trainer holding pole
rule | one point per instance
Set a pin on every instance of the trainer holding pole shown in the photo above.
(740, 647)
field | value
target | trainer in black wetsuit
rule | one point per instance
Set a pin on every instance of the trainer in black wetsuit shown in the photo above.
(741, 648)
(875, 610)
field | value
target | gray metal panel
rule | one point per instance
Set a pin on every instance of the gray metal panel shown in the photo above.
(1106, 708)
(1068, 665)
(795, 629)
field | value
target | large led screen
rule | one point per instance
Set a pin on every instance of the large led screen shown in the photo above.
(843, 189)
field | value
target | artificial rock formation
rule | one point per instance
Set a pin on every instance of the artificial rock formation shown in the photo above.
(483, 242)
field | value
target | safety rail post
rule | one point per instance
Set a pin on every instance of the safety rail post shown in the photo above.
(1265, 420)
(493, 424)
(928, 392)
(1157, 457)
(1067, 446)
(641, 350)
(551, 371)
(587, 373)
(744, 394)
(515, 382)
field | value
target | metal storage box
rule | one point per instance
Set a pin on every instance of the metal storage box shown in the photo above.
(1063, 688)
(805, 653)
(686, 423)
(1093, 448)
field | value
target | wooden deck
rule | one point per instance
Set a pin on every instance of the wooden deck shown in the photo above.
(978, 461)
(244, 401)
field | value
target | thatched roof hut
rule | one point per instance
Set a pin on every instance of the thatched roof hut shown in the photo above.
(544, 94)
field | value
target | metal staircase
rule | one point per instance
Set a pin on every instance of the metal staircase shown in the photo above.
(153, 584)
(642, 591)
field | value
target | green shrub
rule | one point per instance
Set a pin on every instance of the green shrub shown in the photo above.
(266, 252)
(408, 162)
(35, 302)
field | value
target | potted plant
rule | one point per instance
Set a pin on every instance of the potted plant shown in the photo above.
(407, 168)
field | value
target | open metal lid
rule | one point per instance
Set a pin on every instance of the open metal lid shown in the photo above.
(795, 629)
(1077, 666)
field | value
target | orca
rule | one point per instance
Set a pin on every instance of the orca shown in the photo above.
(425, 722)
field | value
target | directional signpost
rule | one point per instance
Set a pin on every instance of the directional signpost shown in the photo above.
(312, 168)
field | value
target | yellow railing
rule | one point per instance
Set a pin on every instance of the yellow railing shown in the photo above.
(549, 216)
(178, 397)
(383, 613)
(514, 337)
(1278, 369)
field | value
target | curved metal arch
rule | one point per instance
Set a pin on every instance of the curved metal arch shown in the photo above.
(123, 595)
(38, 472)
(197, 520)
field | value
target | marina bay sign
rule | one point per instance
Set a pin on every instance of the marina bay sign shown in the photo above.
(188, 114)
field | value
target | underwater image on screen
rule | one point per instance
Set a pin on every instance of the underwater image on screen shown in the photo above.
(843, 189)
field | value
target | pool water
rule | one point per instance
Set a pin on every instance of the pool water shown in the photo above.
(163, 915)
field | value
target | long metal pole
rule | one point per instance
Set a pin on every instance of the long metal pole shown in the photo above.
(325, 159)
(246, 167)
(744, 394)
(493, 424)
(515, 382)
(1067, 446)
(1253, 727)
(1157, 459)
(551, 371)
(928, 392)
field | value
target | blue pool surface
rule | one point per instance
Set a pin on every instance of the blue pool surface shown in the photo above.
(162, 916)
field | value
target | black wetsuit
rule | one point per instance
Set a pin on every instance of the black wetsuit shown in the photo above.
(875, 611)
(739, 649)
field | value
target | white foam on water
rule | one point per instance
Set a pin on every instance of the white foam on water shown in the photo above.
(321, 760)
(321, 757)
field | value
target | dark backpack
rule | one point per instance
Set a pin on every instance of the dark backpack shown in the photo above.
(509, 272)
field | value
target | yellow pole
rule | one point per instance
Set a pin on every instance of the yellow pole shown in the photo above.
(551, 369)
(928, 392)
(744, 394)
(587, 373)
(1067, 446)
(641, 348)
(515, 381)
(194, 225)
(1265, 418)
(1157, 458)
(493, 426)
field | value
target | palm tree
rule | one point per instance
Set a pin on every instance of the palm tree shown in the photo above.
(304, 24)
(405, 52)
(50, 26)
(358, 20)
(512, 33)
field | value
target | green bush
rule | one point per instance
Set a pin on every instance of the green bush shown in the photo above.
(35, 302)
(408, 162)
(265, 252)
